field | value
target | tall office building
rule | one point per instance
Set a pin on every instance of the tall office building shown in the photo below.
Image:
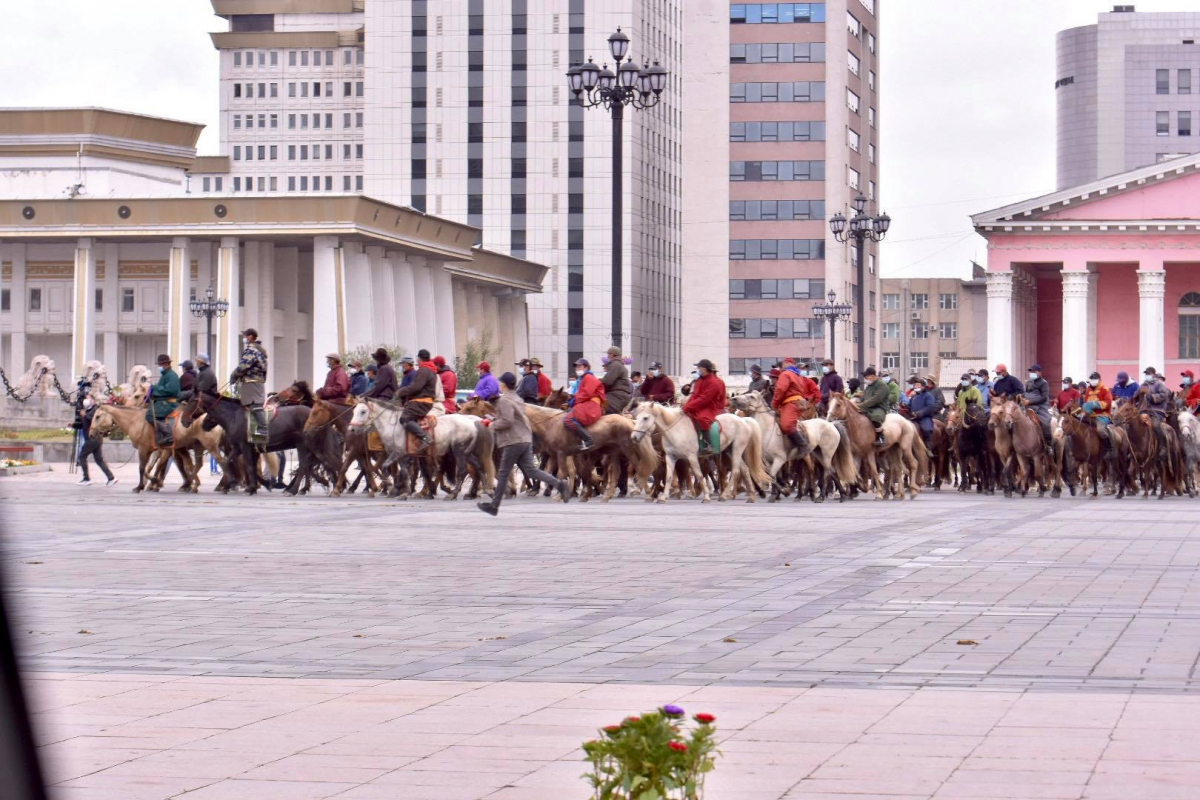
(804, 135)
(460, 108)
(1127, 93)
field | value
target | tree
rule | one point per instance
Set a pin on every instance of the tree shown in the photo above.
(477, 349)
(365, 354)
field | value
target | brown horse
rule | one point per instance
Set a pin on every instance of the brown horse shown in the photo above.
(1160, 472)
(611, 434)
(132, 420)
(1084, 454)
(1020, 446)
(968, 430)
(903, 453)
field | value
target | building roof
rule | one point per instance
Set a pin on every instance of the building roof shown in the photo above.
(232, 8)
(99, 132)
(1016, 217)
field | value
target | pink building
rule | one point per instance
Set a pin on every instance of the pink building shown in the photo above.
(1103, 276)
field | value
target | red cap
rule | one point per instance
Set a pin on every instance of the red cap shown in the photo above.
(789, 362)
(1187, 373)
(484, 366)
(439, 361)
(775, 373)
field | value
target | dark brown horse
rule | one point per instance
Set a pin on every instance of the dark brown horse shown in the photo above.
(1084, 453)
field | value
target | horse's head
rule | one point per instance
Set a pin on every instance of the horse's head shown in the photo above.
(557, 399)
(477, 407)
(749, 402)
(103, 423)
(361, 416)
(298, 394)
(837, 406)
(188, 411)
(322, 414)
(645, 421)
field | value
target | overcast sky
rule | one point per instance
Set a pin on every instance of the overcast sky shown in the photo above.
(967, 86)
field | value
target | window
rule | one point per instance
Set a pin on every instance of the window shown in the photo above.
(948, 354)
(358, 119)
(1162, 123)
(237, 153)
(919, 302)
(1189, 326)
(891, 302)
(891, 330)
(918, 361)
(871, 41)
(35, 299)
(1162, 81)
(852, 101)
(871, 116)
(291, 183)
(890, 360)
(207, 184)
(920, 330)
(1185, 123)
(754, 171)
(853, 139)
(948, 302)
(304, 58)
(274, 58)
(871, 79)
(358, 89)
(1184, 81)
(237, 90)
(853, 178)
(853, 25)
(754, 210)
(853, 63)
(345, 183)
(127, 300)
(274, 120)
(948, 330)
(771, 13)
(776, 249)
(871, 153)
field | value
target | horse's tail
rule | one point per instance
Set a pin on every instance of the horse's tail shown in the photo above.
(918, 446)
(753, 456)
(843, 458)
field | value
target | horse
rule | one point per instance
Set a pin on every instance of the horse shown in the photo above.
(133, 422)
(328, 437)
(903, 451)
(1158, 471)
(457, 433)
(557, 399)
(191, 441)
(285, 432)
(823, 438)
(1084, 449)
(739, 435)
(1189, 443)
(611, 436)
(968, 429)
(940, 463)
(1026, 453)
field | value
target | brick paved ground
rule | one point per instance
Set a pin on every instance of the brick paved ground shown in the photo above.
(231, 647)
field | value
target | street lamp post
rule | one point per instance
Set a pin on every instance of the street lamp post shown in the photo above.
(209, 308)
(833, 311)
(628, 86)
(861, 227)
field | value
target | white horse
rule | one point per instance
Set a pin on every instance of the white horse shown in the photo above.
(831, 450)
(1189, 441)
(462, 435)
(680, 443)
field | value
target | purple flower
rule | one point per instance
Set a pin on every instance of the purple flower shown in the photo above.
(672, 711)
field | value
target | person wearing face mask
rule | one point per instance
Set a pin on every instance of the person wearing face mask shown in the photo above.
(418, 398)
(1097, 405)
(980, 379)
(163, 398)
(337, 382)
(358, 379)
(939, 398)
(893, 388)
(789, 390)
(92, 445)
(1068, 395)
(874, 402)
(1191, 391)
(617, 389)
(658, 386)
(1124, 389)
(1037, 398)
(907, 395)
(923, 408)
(830, 382)
(545, 385)
(707, 401)
(527, 388)
(757, 382)
(967, 393)
(1006, 384)
(686, 389)
(587, 404)
(488, 387)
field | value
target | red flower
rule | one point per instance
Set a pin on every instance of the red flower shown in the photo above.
(632, 720)
(705, 719)
(612, 730)
(677, 746)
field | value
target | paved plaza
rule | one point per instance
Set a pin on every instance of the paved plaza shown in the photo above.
(203, 646)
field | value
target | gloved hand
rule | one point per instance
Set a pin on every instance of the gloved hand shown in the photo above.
(1091, 406)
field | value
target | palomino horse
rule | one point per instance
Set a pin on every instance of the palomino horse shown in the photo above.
(191, 440)
(903, 452)
(457, 433)
(1020, 446)
(825, 442)
(133, 422)
(739, 435)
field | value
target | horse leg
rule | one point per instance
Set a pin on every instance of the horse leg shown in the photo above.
(669, 461)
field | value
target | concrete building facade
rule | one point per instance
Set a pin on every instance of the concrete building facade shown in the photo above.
(804, 141)
(1127, 93)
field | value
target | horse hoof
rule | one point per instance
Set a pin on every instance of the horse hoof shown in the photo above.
(661, 499)
(1058, 493)
(937, 487)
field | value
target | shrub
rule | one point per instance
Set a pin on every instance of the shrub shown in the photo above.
(478, 349)
(365, 354)
(652, 757)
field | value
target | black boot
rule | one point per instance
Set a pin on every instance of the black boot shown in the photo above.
(880, 437)
(798, 441)
(414, 427)
(584, 437)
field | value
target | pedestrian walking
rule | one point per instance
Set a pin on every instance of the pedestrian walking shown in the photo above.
(92, 445)
(514, 439)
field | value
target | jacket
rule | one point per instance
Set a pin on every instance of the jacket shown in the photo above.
(971, 394)
(1065, 398)
(1008, 385)
(875, 401)
(1193, 396)
(545, 386)
(587, 404)
(527, 389)
(923, 408)
(422, 387)
(385, 385)
(1126, 391)
(511, 426)
(1037, 394)
(760, 385)
(707, 400)
(985, 391)
(450, 388)
(337, 385)
(206, 380)
(83, 420)
(488, 388)
(658, 389)
(831, 382)
(165, 394)
(252, 368)
(617, 387)
(1156, 398)
(187, 380)
(893, 395)
(359, 384)
(1098, 402)
(792, 384)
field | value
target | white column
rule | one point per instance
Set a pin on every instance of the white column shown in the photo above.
(423, 299)
(359, 309)
(329, 313)
(1000, 320)
(1075, 289)
(504, 338)
(179, 317)
(383, 324)
(443, 290)
(111, 283)
(19, 304)
(228, 327)
(1093, 310)
(518, 318)
(1152, 286)
(83, 337)
(404, 303)
(285, 360)
(262, 302)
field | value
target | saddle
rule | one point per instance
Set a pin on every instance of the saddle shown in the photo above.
(1034, 417)
(428, 424)
(374, 443)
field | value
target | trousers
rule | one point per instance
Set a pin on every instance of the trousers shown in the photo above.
(519, 455)
(92, 446)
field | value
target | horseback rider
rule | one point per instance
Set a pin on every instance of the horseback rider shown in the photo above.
(385, 384)
(893, 388)
(337, 382)
(757, 382)
(1192, 398)
(449, 381)
(187, 376)
(163, 398)
(707, 400)
(545, 385)
(1037, 398)
(359, 382)
(1097, 405)
(206, 380)
(250, 377)
(658, 386)
(923, 408)
(1124, 389)
(1068, 395)
(527, 389)
(1155, 399)
(1006, 384)
(418, 398)
(789, 389)
(587, 404)
(875, 401)
(967, 393)
(980, 379)
(617, 388)
(830, 382)
(488, 388)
